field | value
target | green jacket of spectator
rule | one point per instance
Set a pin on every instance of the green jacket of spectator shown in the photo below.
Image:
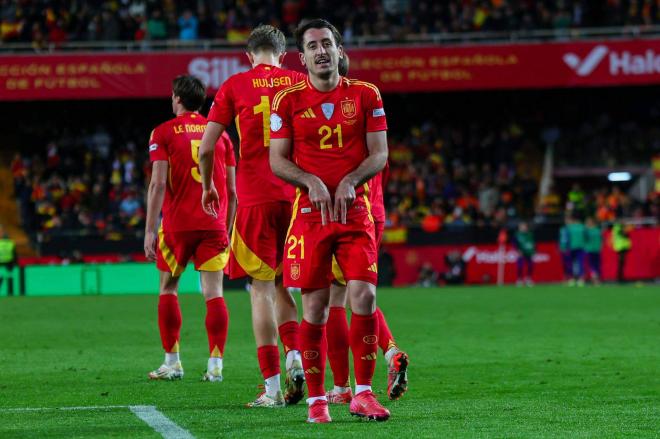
(525, 243)
(156, 29)
(620, 239)
(563, 239)
(577, 198)
(576, 236)
(7, 251)
(594, 240)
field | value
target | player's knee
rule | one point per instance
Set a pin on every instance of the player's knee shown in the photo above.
(363, 298)
(316, 312)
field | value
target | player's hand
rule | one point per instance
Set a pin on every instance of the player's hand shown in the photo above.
(150, 246)
(344, 198)
(210, 201)
(320, 198)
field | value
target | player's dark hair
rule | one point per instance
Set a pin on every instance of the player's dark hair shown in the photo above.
(343, 65)
(317, 23)
(191, 90)
(266, 37)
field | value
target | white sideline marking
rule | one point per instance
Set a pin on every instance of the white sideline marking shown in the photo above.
(44, 409)
(147, 413)
(159, 422)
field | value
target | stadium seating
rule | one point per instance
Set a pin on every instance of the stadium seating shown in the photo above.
(52, 22)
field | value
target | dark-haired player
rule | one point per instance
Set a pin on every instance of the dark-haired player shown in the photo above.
(264, 209)
(328, 138)
(186, 232)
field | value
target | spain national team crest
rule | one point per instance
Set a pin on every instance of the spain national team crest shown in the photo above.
(348, 108)
(328, 110)
(295, 271)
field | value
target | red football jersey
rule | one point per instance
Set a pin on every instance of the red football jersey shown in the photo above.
(246, 97)
(329, 132)
(177, 141)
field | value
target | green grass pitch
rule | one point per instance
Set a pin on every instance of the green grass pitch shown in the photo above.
(549, 361)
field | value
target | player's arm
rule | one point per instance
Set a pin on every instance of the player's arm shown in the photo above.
(231, 197)
(210, 199)
(319, 196)
(155, 197)
(370, 166)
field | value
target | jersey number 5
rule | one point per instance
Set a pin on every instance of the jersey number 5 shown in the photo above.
(194, 149)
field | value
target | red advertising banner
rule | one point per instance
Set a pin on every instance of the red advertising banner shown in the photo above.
(642, 262)
(393, 69)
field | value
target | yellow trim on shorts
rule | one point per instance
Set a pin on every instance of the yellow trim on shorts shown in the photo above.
(336, 271)
(294, 211)
(217, 262)
(170, 260)
(367, 202)
(248, 260)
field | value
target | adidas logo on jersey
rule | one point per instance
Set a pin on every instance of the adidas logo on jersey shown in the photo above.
(370, 357)
(308, 114)
(373, 267)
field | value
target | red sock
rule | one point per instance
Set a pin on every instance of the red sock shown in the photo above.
(217, 322)
(337, 336)
(269, 360)
(313, 357)
(385, 337)
(169, 321)
(364, 344)
(289, 334)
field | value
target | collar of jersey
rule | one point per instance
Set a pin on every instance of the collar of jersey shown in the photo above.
(311, 86)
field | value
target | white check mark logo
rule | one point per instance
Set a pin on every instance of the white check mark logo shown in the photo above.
(589, 63)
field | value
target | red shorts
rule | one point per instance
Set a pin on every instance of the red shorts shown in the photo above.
(310, 248)
(257, 240)
(207, 248)
(337, 273)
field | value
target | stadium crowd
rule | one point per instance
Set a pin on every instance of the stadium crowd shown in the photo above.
(52, 22)
(442, 174)
(84, 182)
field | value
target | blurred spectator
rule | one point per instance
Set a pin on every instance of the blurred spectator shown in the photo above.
(621, 243)
(593, 247)
(427, 277)
(7, 259)
(524, 242)
(188, 26)
(455, 274)
(565, 251)
(576, 245)
(156, 26)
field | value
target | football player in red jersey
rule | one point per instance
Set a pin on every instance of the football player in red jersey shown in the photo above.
(186, 231)
(264, 209)
(337, 326)
(328, 138)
